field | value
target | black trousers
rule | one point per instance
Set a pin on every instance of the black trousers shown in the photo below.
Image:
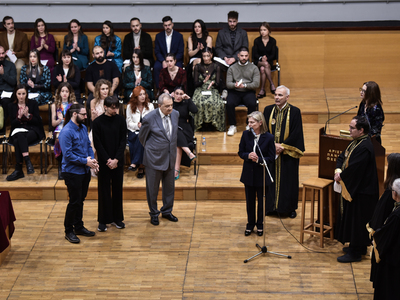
(77, 186)
(110, 194)
(251, 193)
(21, 141)
(236, 98)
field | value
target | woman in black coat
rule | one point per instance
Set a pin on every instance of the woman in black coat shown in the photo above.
(252, 173)
(26, 127)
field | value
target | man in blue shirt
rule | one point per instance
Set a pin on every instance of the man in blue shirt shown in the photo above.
(76, 164)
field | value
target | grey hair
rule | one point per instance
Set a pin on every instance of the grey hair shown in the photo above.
(396, 186)
(286, 88)
(162, 97)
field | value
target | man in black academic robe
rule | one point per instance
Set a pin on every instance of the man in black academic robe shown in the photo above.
(284, 122)
(356, 172)
(109, 137)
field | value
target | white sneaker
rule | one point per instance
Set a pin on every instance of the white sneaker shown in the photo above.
(232, 130)
(247, 127)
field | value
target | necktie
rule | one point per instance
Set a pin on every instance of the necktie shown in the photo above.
(166, 126)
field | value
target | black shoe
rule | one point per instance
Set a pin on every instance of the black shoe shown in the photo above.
(293, 214)
(260, 232)
(130, 168)
(348, 258)
(170, 217)
(60, 176)
(119, 225)
(83, 231)
(17, 174)
(247, 232)
(347, 250)
(29, 166)
(141, 173)
(154, 220)
(72, 238)
(102, 227)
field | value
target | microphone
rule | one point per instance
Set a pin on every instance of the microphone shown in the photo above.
(253, 132)
(337, 116)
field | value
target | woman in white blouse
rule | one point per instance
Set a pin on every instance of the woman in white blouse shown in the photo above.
(139, 106)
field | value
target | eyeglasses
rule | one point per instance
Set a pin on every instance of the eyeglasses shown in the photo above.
(362, 91)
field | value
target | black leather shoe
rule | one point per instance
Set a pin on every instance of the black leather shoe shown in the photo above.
(72, 238)
(260, 232)
(293, 214)
(170, 217)
(140, 174)
(29, 166)
(83, 231)
(347, 250)
(154, 220)
(247, 232)
(130, 168)
(348, 258)
(17, 174)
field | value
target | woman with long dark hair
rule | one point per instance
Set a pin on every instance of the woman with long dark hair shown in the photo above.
(137, 74)
(110, 43)
(171, 76)
(371, 108)
(26, 127)
(77, 43)
(44, 42)
(67, 71)
(37, 77)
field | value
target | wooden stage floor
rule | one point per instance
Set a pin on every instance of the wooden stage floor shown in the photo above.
(199, 257)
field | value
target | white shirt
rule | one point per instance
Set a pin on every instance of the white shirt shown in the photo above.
(168, 119)
(168, 40)
(132, 119)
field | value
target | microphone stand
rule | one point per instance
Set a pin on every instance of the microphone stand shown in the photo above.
(263, 249)
(336, 117)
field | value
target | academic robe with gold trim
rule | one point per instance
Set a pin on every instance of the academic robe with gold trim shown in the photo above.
(360, 179)
(287, 128)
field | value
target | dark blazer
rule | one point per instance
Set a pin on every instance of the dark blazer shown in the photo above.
(145, 43)
(252, 173)
(21, 44)
(259, 50)
(159, 151)
(223, 45)
(74, 81)
(34, 124)
(177, 46)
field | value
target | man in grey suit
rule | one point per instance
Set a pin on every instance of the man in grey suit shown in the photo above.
(230, 40)
(158, 135)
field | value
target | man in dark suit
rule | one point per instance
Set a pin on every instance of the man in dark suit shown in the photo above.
(167, 41)
(138, 39)
(230, 40)
(158, 135)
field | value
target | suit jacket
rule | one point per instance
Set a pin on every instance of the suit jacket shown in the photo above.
(223, 45)
(176, 46)
(159, 151)
(145, 43)
(21, 44)
(252, 173)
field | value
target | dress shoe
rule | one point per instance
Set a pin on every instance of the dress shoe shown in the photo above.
(17, 174)
(141, 173)
(347, 250)
(154, 220)
(260, 232)
(348, 258)
(247, 232)
(130, 168)
(293, 214)
(83, 231)
(72, 238)
(170, 217)
(29, 166)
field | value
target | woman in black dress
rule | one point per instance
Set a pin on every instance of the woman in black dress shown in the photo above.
(184, 105)
(264, 53)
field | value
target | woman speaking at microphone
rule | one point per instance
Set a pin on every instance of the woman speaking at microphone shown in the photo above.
(252, 173)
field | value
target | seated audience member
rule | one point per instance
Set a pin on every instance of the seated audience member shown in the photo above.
(110, 43)
(101, 69)
(264, 53)
(206, 97)
(137, 74)
(386, 248)
(139, 106)
(26, 127)
(167, 41)
(171, 76)
(197, 41)
(184, 105)
(371, 108)
(230, 40)
(16, 41)
(139, 40)
(67, 71)
(37, 77)
(44, 43)
(8, 80)
(77, 43)
(63, 100)
(242, 80)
